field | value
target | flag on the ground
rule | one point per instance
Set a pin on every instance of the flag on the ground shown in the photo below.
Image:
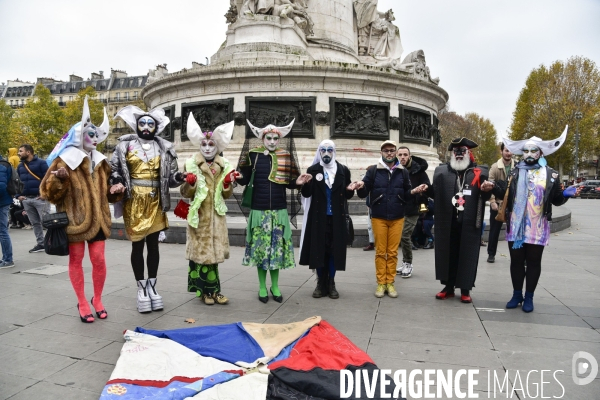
(300, 360)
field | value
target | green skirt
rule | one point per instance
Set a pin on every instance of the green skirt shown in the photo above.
(269, 240)
(203, 279)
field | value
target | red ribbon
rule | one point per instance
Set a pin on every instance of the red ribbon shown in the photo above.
(476, 180)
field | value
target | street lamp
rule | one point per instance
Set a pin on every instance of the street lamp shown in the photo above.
(578, 116)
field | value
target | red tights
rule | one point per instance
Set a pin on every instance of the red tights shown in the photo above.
(76, 253)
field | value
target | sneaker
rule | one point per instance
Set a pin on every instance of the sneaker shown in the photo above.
(208, 300)
(27, 227)
(414, 246)
(483, 244)
(38, 248)
(491, 259)
(370, 247)
(407, 271)
(428, 245)
(6, 264)
(219, 298)
(391, 290)
(15, 226)
(401, 268)
(380, 290)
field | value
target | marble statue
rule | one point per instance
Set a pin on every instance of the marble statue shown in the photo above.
(377, 35)
(291, 9)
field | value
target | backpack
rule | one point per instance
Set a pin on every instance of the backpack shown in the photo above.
(14, 184)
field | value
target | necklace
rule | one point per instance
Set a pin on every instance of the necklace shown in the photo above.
(458, 199)
(145, 148)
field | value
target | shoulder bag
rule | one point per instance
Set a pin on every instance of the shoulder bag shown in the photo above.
(501, 217)
(249, 189)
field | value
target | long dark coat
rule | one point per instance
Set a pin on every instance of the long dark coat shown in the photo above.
(313, 248)
(445, 186)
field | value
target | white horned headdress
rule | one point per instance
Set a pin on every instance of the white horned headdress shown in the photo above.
(221, 135)
(282, 131)
(546, 146)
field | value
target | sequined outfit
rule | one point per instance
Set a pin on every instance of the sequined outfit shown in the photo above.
(142, 212)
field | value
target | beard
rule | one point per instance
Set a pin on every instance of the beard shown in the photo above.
(460, 165)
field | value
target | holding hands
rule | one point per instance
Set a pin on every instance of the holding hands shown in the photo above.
(419, 189)
(191, 179)
(302, 179)
(118, 188)
(356, 185)
(230, 178)
(486, 186)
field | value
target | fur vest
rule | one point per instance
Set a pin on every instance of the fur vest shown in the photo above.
(83, 196)
(209, 243)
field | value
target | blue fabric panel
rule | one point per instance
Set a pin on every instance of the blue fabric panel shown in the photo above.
(230, 343)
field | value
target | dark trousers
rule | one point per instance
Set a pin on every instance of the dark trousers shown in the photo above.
(495, 228)
(455, 233)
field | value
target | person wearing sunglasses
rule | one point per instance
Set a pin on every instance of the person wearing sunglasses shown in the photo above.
(325, 202)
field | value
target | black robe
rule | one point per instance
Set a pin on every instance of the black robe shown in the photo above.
(445, 187)
(313, 249)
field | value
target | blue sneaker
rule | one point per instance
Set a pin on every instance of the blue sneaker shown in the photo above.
(6, 264)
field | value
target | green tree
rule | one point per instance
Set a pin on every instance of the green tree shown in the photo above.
(551, 97)
(74, 109)
(9, 128)
(474, 127)
(42, 121)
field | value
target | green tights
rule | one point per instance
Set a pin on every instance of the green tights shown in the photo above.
(262, 282)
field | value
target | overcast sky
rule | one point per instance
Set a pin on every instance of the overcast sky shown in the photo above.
(482, 50)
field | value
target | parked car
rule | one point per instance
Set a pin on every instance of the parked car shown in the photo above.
(590, 186)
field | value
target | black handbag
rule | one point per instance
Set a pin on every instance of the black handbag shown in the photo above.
(249, 189)
(56, 241)
(349, 227)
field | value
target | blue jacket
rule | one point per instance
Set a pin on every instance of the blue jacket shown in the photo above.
(388, 191)
(31, 185)
(5, 176)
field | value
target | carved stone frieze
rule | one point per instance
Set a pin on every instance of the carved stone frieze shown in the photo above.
(322, 118)
(417, 126)
(239, 118)
(280, 111)
(359, 118)
(208, 114)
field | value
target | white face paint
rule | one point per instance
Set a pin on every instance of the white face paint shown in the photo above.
(271, 141)
(146, 127)
(531, 154)
(208, 148)
(90, 138)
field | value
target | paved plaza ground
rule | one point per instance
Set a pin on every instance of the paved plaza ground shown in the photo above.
(47, 353)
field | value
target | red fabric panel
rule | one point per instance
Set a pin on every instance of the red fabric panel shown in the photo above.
(324, 347)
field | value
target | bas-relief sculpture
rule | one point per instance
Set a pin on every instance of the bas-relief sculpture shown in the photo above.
(291, 9)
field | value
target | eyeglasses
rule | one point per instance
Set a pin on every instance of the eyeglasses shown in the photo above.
(389, 151)
(326, 150)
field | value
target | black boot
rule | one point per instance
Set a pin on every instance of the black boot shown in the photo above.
(333, 294)
(317, 292)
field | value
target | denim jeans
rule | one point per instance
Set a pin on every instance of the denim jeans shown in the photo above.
(36, 209)
(7, 254)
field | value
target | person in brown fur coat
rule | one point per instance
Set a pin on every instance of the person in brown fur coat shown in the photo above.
(208, 184)
(77, 183)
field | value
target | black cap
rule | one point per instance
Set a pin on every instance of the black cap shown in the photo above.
(463, 141)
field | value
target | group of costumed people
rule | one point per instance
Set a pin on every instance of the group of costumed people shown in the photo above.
(81, 182)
